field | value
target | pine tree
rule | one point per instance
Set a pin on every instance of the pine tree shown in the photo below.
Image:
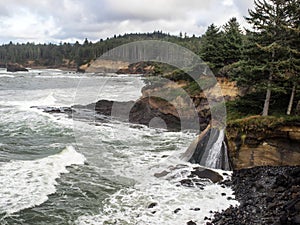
(233, 42)
(293, 47)
(212, 48)
(268, 20)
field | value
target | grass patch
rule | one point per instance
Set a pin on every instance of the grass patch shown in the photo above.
(261, 123)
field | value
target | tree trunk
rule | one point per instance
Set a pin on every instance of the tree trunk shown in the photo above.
(267, 103)
(289, 110)
(268, 97)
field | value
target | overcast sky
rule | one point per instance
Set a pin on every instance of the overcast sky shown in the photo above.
(43, 21)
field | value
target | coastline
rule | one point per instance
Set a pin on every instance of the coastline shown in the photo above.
(261, 191)
(62, 68)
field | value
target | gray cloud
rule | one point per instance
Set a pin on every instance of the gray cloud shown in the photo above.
(71, 20)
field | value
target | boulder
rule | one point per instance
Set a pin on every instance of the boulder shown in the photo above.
(206, 174)
(15, 68)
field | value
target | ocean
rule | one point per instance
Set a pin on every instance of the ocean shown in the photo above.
(57, 170)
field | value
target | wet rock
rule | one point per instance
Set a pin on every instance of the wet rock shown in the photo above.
(199, 177)
(296, 219)
(195, 209)
(187, 183)
(161, 174)
(273, 204)
(283, 219)
(297, 206)
(206, 174)
(177, 210)
(15, 68)
(152, 205)
(49, 109)
(191, 223)
(141, 111)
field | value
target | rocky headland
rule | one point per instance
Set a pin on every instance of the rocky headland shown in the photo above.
(264, 152)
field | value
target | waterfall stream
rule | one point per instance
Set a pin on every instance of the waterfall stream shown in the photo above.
(209, 149)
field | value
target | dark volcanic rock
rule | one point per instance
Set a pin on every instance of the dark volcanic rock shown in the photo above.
(49, 109)
(206, 174)
(143, 113)
(152, 205)
(139, 112)
(15, 68)
(199, 177)
(177, 210)
(267, 195)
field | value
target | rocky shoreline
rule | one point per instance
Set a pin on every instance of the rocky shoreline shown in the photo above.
(267, 195)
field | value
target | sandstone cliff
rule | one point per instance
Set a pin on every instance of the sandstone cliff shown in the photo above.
(258, 141)
(105, 66)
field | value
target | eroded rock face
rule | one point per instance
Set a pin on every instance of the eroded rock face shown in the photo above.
(105, 66)
(142, 112)
(277, 147)
(137, 68)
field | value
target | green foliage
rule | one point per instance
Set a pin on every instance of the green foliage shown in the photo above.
(252, 104)
(193, 88)
(270, 60)
(179, 75)
(233, 42)
(211, 48)
(78, 54)
(248, 105)
(260, 123)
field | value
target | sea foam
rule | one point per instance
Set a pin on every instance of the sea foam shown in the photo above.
(26, 184)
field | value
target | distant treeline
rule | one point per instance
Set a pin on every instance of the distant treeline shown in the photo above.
(76, 54)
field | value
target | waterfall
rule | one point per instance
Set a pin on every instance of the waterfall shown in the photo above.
(213, 155)
(217, 155)
(209, 149)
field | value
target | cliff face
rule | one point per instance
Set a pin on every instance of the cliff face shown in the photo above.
(105, 66)
(185, 105)
(272, 146)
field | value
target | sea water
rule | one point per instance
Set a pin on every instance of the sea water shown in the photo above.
(56, 170)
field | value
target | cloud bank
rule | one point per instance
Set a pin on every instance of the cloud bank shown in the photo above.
(43, 21)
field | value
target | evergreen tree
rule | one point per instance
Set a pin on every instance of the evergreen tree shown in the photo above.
(292, 64)
(212, 48)
(233, 42)
(268, 20)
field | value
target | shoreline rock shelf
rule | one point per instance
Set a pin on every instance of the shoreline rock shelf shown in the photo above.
(267, 195)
